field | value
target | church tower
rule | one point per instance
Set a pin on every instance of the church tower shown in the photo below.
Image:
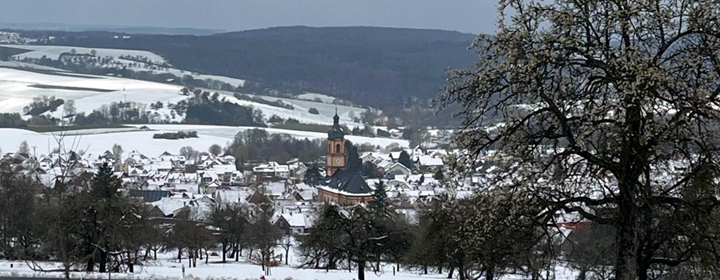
(336, 147)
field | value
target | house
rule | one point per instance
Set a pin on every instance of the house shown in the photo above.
(149, 196)
(292, 224)
(397, 169)
(270, 171)
(368, 157)
(394, 156)
(428, 163)
(211, 188)
(226, 196)
(299, 171)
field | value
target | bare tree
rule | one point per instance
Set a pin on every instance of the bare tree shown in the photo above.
(596, 102)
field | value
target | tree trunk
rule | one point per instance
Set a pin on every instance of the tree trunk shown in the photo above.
(582, 274)
(207, 256)
(643, 268)
(450, 274)
(287, 252)
(67, 272)
(179, 255)
(103, 260)
(262, 261)
(155, 254)
(361, 270)
(627, 236)
(461, 271)
(130, 265)
(224, 252)
(90, 264)
(490, 273)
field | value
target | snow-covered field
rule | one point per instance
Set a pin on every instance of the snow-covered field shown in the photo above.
(301, 110)
(139, 66)
(54, 52)
(16, 90)
(228, 132)
(97, 141)
(316, 96)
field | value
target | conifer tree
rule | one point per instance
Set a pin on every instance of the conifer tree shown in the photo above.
(354, 163)
(405, 160)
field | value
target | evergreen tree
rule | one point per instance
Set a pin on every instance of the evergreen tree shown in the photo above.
(439, 175)
(323, 246)
(405, 160)
(354, 163)
(313, 176)
(379, 206)
(105, 184)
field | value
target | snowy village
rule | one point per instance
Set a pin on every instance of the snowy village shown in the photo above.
(360, 140)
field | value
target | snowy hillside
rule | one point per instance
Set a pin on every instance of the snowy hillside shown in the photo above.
(301, 110)
(54, 52)
(18, 88)
(97, 141)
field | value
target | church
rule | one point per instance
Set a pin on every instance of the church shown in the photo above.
(344, 187)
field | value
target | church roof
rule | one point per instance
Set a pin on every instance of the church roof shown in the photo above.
(349, 182)
(336, 132)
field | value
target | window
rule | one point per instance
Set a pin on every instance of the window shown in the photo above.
(337, 148)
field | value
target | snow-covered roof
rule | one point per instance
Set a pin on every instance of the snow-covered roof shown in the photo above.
(425, 160)
(271, 167)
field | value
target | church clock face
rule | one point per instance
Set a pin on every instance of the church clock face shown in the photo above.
(337, 161)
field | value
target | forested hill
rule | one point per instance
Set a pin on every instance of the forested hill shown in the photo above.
(380, 67)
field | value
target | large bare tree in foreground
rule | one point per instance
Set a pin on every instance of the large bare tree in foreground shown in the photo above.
(608, 105)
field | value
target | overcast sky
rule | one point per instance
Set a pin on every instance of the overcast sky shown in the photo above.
(471, 16)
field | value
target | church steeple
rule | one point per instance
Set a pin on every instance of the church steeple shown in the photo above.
(336, 147)
(336, 132)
